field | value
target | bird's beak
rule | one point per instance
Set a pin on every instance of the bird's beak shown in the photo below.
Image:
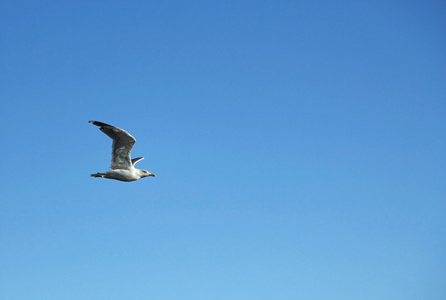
(153, 175)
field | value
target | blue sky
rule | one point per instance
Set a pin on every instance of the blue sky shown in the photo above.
(299, 148)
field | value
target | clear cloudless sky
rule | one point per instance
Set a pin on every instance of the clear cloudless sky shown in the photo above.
(299, 148)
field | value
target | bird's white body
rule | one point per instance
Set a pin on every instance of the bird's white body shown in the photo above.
(130, 174)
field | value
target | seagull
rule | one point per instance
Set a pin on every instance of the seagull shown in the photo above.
(122, 166)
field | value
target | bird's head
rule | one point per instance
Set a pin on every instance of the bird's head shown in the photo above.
(144, 173)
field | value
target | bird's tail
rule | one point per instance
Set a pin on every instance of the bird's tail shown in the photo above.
(98, 175)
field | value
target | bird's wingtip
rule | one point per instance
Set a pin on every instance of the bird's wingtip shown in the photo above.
(100, 124)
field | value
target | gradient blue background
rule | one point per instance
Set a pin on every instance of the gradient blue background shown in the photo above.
(299, 148)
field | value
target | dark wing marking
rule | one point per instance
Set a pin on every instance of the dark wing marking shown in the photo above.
(122, 145)
(135, 160)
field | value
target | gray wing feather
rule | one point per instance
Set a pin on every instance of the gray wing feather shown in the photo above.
(122, 145)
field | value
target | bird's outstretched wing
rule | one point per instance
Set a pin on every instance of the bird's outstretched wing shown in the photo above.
(122, 145)
(135, 160)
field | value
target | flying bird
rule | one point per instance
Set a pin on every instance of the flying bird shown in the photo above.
(122, 165)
